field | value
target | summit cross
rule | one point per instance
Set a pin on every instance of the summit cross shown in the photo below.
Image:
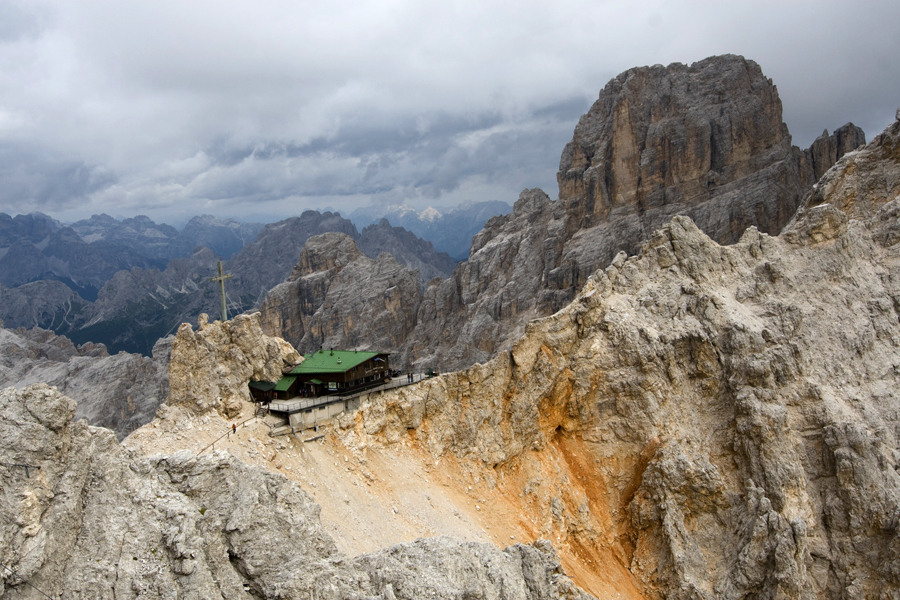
(221, 279)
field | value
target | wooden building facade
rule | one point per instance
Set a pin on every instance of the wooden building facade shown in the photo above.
(340, 371)
(326, 372)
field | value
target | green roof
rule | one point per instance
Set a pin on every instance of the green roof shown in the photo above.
(332, 361)
(284, 383)
(264, 386)
(316, 381)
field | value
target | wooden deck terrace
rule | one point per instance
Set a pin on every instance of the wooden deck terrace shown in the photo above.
(295, 405)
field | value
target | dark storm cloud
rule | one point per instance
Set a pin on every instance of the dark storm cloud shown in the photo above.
(177, 108)
(429, 154)
(373, 135)
(32, 180)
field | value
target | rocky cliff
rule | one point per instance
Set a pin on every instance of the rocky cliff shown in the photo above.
(336, 297)
(268, 261)
(827, 149)
(209, 368)
(121, 392)
(84, 518)
(705, 140)
(198, 372)
(705, 421)
(863, 183)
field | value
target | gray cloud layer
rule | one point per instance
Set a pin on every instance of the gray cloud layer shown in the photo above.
(173, 108)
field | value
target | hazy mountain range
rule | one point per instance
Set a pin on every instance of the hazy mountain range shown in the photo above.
(127, 282)
(450, 230)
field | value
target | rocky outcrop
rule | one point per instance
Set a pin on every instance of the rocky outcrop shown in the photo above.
(827, 149)
(209, 368)
(721, 418)
(120, 392)
(83, 517)
(410, 251)
(336, 297)
(704, 140)
(862, 182)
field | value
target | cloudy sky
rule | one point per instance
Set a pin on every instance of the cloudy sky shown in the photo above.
(263, 109)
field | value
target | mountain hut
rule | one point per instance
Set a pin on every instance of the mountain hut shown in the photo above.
(340, 371)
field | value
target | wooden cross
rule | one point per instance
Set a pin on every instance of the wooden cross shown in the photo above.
(221, 279)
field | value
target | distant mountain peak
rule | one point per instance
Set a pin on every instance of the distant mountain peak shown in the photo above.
(430, 214)
(450, 230)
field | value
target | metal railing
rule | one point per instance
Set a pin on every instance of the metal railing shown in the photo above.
(297, 404)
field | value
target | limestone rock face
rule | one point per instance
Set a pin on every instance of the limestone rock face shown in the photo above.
(704, 140)
(120, 392)
(722, 419)
(827, 149)
(663, 139)
(862, 182)
(336, 297)
(209, 368)
(497, 291)
(443, 568)
(327, 252)
(88, 519)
